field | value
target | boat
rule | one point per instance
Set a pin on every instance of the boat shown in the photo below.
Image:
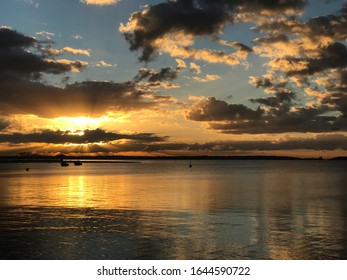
(64, 163)
(77, 163)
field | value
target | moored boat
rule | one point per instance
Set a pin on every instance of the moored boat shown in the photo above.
(64, 163)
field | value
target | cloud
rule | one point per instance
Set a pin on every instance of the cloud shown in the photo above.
(102, 63)
(155, 79)
(181, 63)
(319, 142)
(208, 78)
(164, 74)
(100, 2)
(94, 98)
(212, 109)
(331, 56)
(259, 82)
(20, 58)
(12, 39)
(276, 114)
(242, 50)
(181, 45)
(193, 18)
(70, 50)
(4, 123)
(31, 2)
(277, 45)
(45, 34)
(194, 67)
(23, 64)
(77, 137)
(211, 56)
(77, 37)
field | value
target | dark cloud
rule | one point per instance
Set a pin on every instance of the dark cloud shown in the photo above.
(4, 124)
(278, 115)
(218, 110)
(331, 26)
(93, 98)
(173, 16)
(301, 121)
(320, 142)
(338, 102)
(280, 97)
(197, 18)
(103, 96)
(152, 76)
(269, 83)
(165, 74)
(334, 26)
(270, 6)
(333, 56)
(259, 82)
(242, 47)
(68, 137)
(11, 39)
(343, 77)
(20, 63)
(20, 58)
(272, 39)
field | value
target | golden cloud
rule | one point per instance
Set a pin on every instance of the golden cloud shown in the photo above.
(208, 78)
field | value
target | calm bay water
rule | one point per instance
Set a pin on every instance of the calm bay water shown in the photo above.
(220, 209)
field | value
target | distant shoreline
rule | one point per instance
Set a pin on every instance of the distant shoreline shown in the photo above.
(134, 159)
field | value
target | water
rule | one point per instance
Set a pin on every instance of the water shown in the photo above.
(223, 209)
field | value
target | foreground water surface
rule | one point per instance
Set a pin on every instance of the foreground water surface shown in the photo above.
(220, 209)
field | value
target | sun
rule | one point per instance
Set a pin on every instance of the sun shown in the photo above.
(79, 123)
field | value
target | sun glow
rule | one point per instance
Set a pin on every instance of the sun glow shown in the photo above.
(79, 123)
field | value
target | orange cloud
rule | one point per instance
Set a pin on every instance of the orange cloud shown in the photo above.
(208, 78)
(68, 50)
(195, 67)
(181, 63)
(102, 63)
(74, 65)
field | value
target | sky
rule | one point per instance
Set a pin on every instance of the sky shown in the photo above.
(180, 77)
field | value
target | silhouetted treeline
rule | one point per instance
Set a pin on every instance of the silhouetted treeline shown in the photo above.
(43, 158)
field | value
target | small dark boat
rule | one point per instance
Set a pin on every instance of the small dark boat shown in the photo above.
(77, 163)
(64, 163)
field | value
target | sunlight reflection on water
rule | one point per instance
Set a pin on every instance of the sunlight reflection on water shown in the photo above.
(164, 210)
